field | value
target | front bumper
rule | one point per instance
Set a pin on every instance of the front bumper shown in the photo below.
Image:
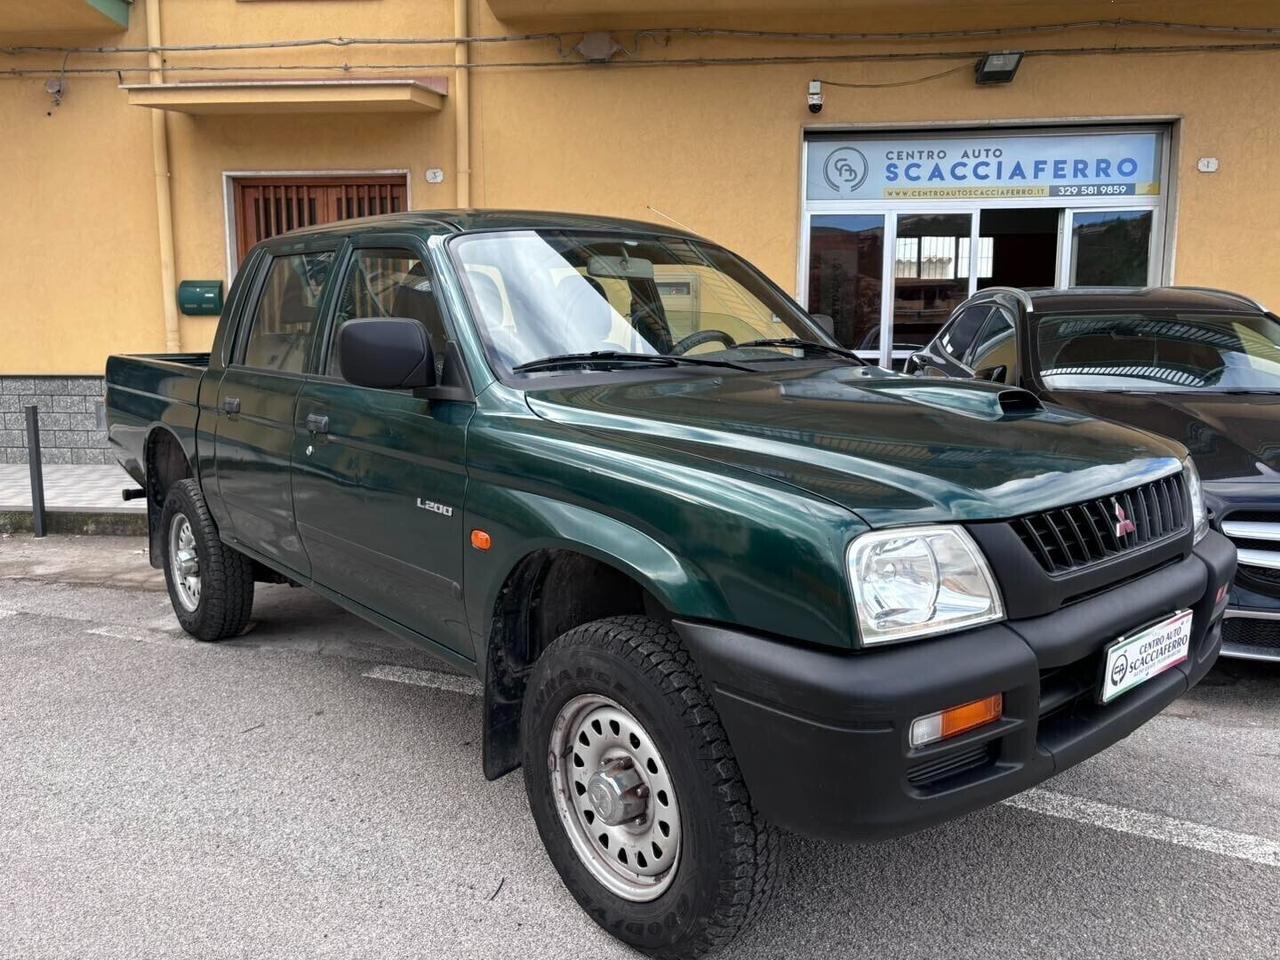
(822, 737)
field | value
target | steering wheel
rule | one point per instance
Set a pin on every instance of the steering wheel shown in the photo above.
(699, 338)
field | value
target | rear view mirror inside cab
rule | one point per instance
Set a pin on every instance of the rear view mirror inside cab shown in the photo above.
(620, 268)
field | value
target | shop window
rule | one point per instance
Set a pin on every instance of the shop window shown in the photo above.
(1111, 248)
(846, 263)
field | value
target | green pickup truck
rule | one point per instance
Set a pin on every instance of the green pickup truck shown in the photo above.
(716, 575)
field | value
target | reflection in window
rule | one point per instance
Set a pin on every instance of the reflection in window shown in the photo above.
(931, 258)
(846, 263)
(986, 257)
(927, 284)
(1159, 351)
(1111, 248)
(280, 338)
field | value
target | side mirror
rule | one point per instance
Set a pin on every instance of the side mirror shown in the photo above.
(825, 323)
(994, 374)
(914, 363)
(390, 353)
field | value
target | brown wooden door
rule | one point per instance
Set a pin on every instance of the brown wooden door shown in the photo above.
(267, 206)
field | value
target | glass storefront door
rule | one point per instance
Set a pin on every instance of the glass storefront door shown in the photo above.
(932, 275)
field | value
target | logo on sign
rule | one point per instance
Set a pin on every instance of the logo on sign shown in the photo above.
(1119, 669)
(845, 170)
(1123, 524)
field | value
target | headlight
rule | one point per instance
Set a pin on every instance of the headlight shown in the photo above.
(1199, 515)
(918, 581)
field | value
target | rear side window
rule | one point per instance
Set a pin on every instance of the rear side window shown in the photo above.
(284, 321)
(388, 283)
(959, 335)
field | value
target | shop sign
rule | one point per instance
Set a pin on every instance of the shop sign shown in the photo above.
(967, 167)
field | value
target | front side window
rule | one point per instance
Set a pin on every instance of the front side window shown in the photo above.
(994, 353)
(957, 337)
(550, 293)
(1162, 351)
(388, 283)
(284, 322)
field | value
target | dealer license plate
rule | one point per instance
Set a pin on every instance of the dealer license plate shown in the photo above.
(1135, 659)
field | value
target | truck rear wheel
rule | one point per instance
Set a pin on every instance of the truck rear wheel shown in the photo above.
(210, 585)
(637, 794)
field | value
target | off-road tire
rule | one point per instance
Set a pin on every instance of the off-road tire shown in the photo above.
(728, 862)
(226, 576)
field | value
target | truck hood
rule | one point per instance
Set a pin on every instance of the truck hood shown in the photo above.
(890, 448)
(1231, 436)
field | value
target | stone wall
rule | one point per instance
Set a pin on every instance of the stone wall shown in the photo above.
(73, 425)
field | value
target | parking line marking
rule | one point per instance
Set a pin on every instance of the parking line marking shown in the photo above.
(130, 633)
(425, 678)
(1154, 826)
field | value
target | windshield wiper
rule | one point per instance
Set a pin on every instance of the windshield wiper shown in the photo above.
(806, 345)
(617, 356)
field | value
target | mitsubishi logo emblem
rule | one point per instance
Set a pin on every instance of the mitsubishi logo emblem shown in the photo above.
(1123, 524)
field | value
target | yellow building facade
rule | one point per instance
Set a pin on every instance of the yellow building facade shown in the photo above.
(147, 143)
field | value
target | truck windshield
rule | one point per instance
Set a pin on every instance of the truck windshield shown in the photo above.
(1164, 351)
(590, 297)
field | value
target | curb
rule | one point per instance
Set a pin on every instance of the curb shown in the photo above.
(78, 522)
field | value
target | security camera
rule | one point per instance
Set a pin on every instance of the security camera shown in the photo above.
(815, 96)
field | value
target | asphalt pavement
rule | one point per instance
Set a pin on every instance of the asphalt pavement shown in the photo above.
(314, 790)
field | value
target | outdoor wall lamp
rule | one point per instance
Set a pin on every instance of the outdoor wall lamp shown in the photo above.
(997, 67)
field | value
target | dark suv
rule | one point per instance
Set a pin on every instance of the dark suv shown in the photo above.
(1201, 366)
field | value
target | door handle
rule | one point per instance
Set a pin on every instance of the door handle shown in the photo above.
(317, 423)
(231, 404)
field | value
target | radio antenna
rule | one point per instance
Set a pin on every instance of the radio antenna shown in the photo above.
(653, 209)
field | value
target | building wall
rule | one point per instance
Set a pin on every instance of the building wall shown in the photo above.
(716, 148)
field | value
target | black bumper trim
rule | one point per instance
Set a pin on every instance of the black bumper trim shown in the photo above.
(822, 737)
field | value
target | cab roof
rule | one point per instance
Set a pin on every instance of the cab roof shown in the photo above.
(1090, 299)
(437, 222)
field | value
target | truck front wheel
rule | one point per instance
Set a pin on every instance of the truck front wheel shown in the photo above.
(210, 585)
(636, 792)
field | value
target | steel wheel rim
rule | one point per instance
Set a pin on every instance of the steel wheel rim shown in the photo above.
(596, 746)
(184, 562)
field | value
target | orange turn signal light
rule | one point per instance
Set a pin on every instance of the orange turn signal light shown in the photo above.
(956, 720)
(481, 540)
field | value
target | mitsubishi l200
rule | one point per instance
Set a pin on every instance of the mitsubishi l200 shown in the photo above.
(716, 575)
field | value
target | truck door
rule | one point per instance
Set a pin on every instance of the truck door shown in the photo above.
(256, 401)
(379, 475)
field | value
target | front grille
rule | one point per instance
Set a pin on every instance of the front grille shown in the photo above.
(931, 773)
(1082, 534)
(1243, 632)
(1257, 539)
